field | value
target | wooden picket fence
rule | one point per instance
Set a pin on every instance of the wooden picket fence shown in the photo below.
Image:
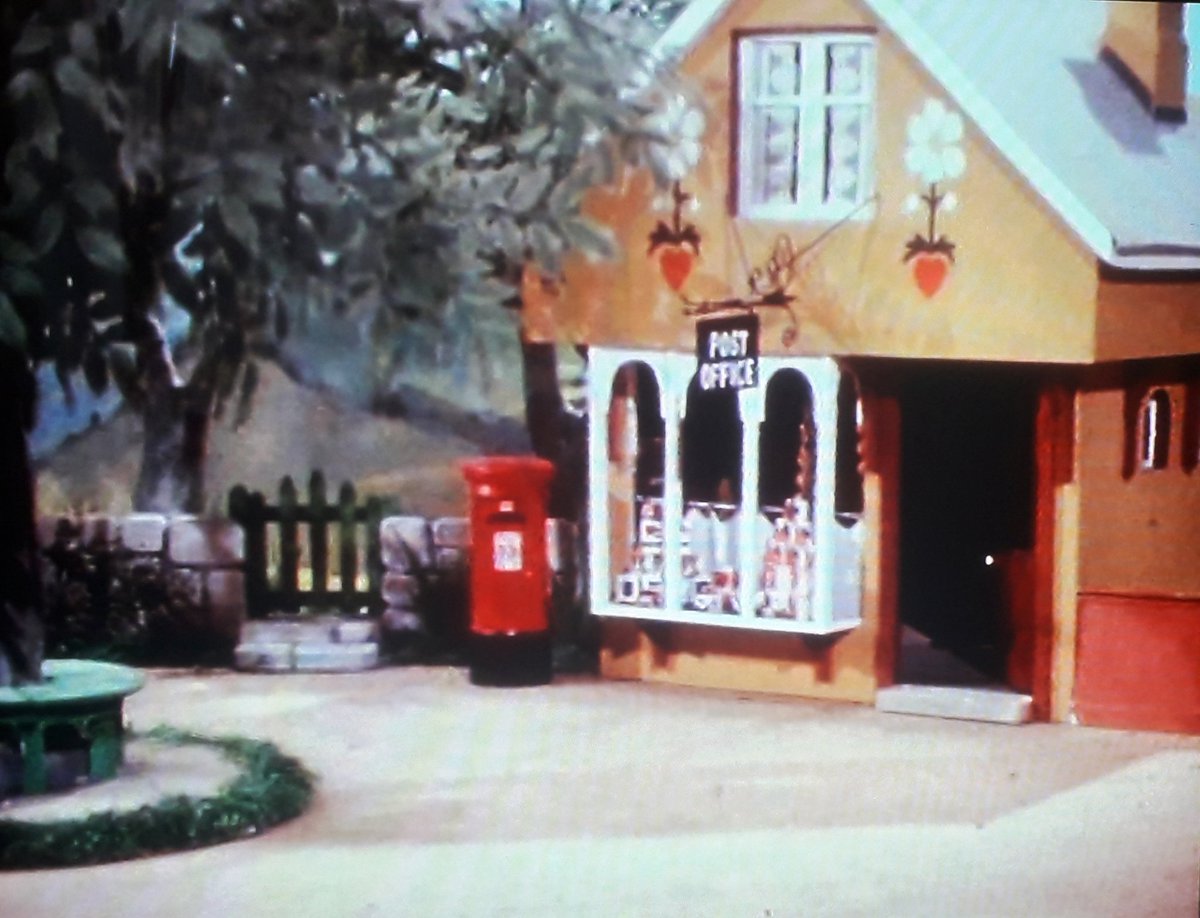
(286, 572)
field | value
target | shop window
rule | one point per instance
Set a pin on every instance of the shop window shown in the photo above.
(711, 482)
(786, 495)
(709, 521)
(635, 472)
(806, 112)
(1155, 429)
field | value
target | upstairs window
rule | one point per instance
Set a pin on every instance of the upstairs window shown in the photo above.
(1156, 430)
(806, 115)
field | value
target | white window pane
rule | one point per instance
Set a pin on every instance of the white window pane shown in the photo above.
(780, 69)
(806, 136)
(844, 143)
(780, 154)
(846, 68)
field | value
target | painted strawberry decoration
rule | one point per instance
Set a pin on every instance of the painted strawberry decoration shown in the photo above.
(678, 244)
(930, 270)
(933, 154)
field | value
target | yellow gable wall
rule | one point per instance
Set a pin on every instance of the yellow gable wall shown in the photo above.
(1022, 288)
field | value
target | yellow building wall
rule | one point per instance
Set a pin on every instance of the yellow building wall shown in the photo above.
(1022, 288)
(1141, 534)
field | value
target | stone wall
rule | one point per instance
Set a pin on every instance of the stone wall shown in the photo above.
(424, 561)
(206, 554)
(422, 556)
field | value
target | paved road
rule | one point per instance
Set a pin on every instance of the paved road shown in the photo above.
(617, 799)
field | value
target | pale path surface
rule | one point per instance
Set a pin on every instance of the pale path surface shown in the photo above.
(614, 799)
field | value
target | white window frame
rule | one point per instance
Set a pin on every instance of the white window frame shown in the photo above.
(837, 570)
(811, 103)
(1155, 430)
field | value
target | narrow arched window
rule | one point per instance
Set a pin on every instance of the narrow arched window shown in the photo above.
(635, 486)
(1155, 430)
(848, 488)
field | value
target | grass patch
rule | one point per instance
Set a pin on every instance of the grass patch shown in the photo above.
(271, 788)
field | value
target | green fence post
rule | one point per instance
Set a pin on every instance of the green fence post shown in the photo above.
(318, 537)
(347, 545)
(374, 554)
(249, 511)
(289, 547)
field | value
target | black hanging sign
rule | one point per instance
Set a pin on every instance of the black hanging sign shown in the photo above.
(727, 352)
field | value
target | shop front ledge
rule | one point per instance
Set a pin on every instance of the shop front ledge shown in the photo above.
(727, 620)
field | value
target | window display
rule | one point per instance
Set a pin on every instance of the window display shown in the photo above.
(718, 506)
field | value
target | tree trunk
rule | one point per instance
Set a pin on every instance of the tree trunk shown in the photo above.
(174, 448)
(556, 434)
(21, 604)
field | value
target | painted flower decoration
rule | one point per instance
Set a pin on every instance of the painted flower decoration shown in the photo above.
(935, 156)
(681, 125)
(934, 143)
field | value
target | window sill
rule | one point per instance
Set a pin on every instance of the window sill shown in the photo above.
(856, 213)
(726, 620)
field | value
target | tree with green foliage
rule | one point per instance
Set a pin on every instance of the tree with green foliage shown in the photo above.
(399, 162)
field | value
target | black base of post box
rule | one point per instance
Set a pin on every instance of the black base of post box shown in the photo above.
(510, 659)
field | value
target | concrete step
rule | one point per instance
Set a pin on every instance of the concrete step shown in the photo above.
(316, 644)
(323, 629)
(282, 657)
(991, 705)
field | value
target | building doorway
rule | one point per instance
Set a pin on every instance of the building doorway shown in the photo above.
(967, 523)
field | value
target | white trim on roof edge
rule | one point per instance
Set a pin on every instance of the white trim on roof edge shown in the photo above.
(699, 16)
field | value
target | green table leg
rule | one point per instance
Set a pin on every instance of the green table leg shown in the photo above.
(33, 751)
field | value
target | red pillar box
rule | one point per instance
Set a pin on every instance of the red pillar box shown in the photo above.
(510, 577)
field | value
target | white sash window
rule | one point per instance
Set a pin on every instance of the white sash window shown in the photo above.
(806, 132)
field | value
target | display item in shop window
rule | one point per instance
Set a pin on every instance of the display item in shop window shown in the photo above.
(787, 565)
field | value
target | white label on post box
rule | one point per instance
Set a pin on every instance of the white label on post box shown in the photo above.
(506, 551)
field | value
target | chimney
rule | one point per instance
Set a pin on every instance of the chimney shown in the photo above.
(1147, 45)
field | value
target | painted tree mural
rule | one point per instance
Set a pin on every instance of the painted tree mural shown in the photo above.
(399, 162)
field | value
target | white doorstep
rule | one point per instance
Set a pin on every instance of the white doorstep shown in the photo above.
(996, 706)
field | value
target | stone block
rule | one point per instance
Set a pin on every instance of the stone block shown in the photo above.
(451, 532)
(403, 540)
(997, 706)
(194, 542)
(227, 601)
(450, 559)
(142, 532)
(193, 586)
(336, 658)
(265, 657)
(400, 590)
(401, 621)
(355, 631)
(308, 630)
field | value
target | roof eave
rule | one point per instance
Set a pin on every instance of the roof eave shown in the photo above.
(1168, 258)
(687, 28)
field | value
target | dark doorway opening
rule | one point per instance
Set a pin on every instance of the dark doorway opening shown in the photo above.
(968, 493)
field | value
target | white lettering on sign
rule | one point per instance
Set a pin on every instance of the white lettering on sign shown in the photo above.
(507, 551)
(730, 374)
(723, 345)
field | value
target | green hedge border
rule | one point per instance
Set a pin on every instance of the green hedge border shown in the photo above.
(270, 789)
